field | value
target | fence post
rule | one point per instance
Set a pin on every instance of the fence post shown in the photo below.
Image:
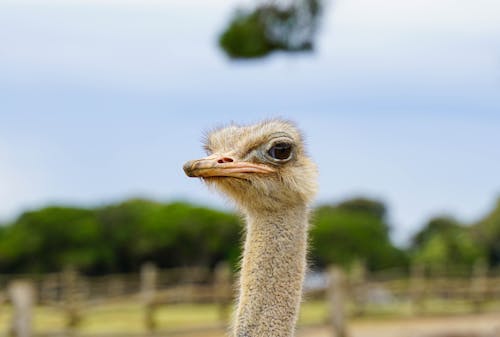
(417, 288)
(479, 285)
(22, 295)
(149, 279)
(71, 297)
(357, 278)
(337, 298)
(223, 289)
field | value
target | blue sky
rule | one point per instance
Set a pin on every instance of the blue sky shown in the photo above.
(103, 100)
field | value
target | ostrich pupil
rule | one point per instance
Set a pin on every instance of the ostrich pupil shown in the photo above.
(281, 151)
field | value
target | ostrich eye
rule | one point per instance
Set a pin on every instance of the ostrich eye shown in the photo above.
(280, 151)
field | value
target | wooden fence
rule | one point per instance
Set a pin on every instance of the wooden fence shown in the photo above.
(355, 293)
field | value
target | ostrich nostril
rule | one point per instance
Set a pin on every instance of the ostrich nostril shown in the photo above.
(225, 160)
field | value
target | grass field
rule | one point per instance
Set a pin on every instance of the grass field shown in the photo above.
(128, 317)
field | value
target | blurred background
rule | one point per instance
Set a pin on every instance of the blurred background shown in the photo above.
(102, 101)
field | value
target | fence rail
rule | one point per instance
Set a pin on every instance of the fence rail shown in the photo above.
(350, 294)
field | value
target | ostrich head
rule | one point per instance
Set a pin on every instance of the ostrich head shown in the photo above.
(261, 167)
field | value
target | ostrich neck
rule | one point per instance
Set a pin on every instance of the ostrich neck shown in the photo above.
(272, 273)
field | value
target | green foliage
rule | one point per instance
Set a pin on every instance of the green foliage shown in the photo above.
(188, 235)
(118, 238)
(35, 242)
(271, 27)
(364, 206)
(351, 231)
(246, 37)
(436, 226)
(445, 243)
(487, 232)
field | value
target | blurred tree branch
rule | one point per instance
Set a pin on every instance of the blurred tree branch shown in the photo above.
(289, 26)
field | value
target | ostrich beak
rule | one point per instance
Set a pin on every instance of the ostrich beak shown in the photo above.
(219, 166)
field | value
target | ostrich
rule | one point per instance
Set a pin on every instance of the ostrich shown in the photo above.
(265, 170)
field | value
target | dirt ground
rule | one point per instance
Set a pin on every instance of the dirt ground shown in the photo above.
(487, 325)
(484, 325)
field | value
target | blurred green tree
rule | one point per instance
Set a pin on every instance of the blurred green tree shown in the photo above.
(170, 235)
(288, 26)
(51, 238)
(351, 231)
(118, 238)
(487, 232)
(435, 226)
(188, 235)
(444, 243)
